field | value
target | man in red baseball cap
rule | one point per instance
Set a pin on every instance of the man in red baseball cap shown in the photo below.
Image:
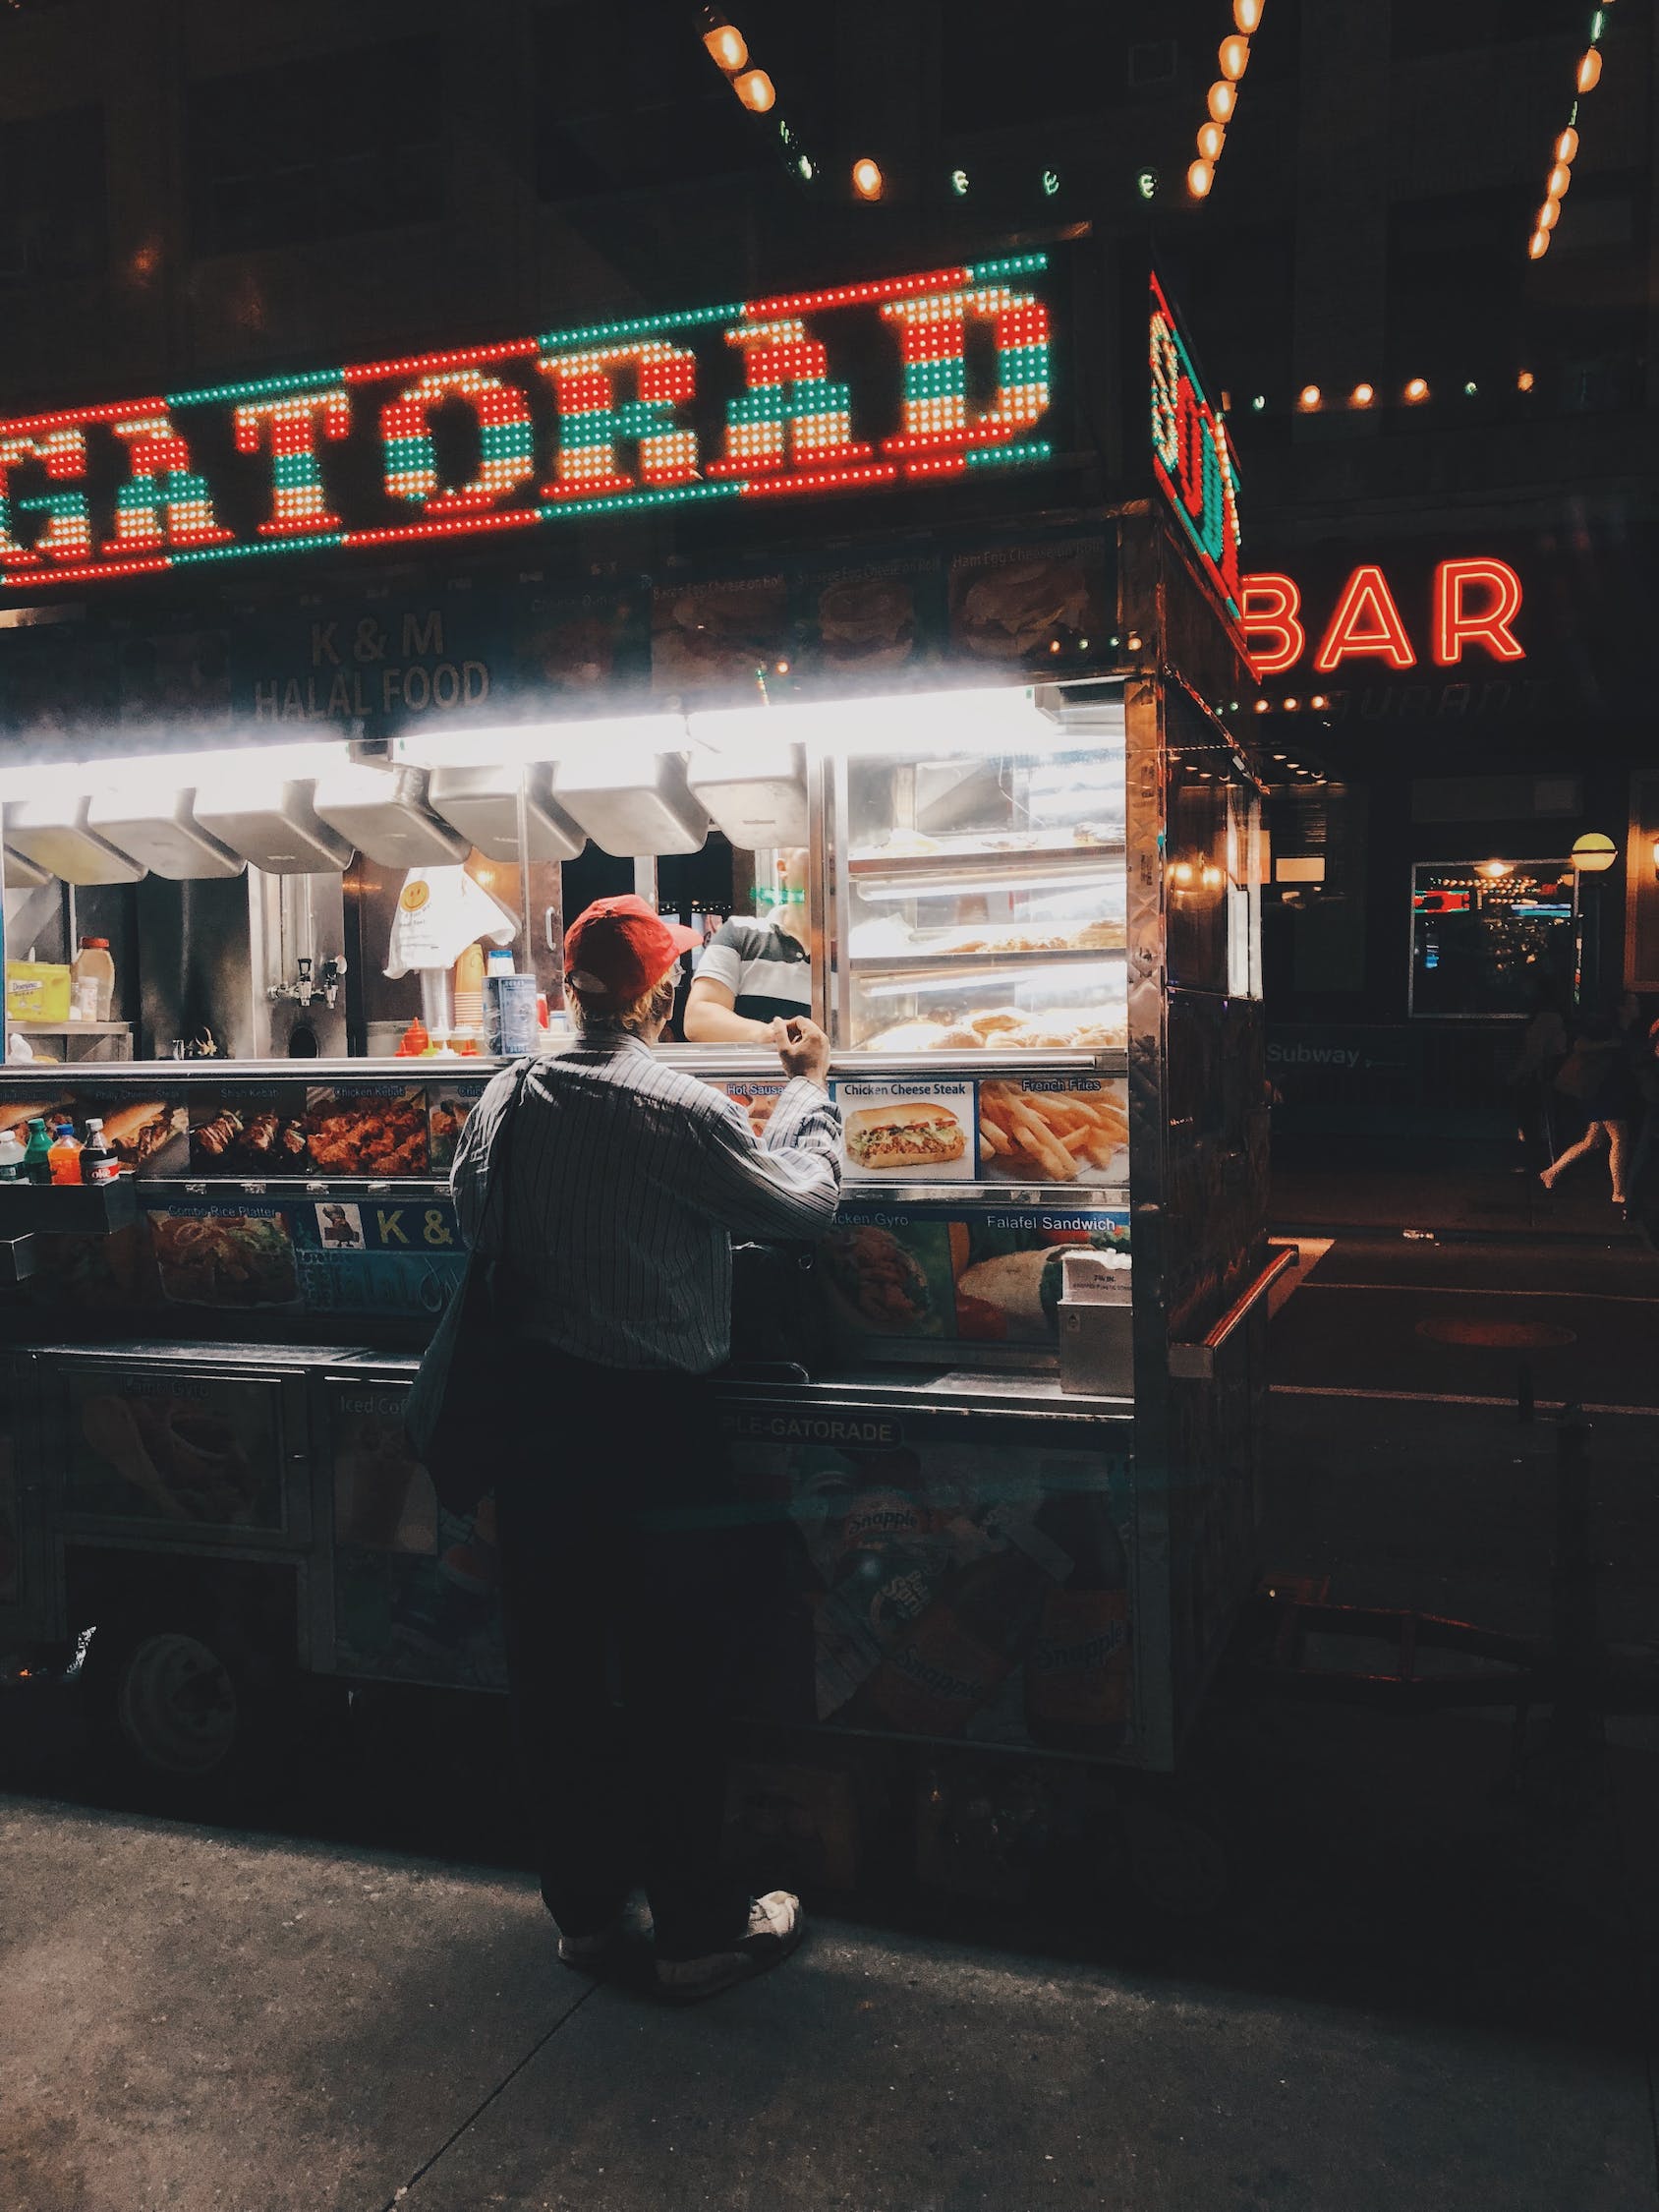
(622, 1183)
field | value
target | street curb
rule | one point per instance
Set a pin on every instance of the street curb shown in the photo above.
(1630, 1239)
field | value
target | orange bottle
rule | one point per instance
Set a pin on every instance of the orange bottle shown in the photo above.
(64, 1158)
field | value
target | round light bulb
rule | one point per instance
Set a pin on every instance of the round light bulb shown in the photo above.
(756, 89)
(1589, 69)
(1211, 138)
(726, 48)
(1538, 245)
(1364, 394)
(1200, 176)
(1556, 182)
(1247, 14)
(1593, 853)
(1417, 389)
(1548, 216)
(1223, 99)
(867, 179)
(1566, 146)
(1318, 700)
(1307, 399)
(1525, 380)
(1233, 57)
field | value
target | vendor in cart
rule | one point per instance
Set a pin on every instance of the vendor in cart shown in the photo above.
(756, 976)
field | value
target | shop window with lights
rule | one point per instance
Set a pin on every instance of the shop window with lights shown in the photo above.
(1489, 936)
(316, 148)
(52, 197)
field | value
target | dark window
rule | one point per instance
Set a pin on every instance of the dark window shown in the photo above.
(52, 195)
(998, 69)
(314, 149)
(627, 98)
(1456, 26)
(1456, 271)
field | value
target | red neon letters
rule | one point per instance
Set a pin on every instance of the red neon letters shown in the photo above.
(1366, 622)
(1271, 604)
(1473, 603)
(1457, 624)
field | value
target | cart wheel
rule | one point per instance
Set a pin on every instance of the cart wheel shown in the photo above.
(1178, 1867)
(177, 1705)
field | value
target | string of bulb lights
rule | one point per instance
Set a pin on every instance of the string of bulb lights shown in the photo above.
(1415, 391)
(1586, 77)
(728, 51)
(1232, 59)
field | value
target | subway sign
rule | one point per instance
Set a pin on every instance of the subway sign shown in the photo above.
(1471, 607)
(910, 379)
(1191, 460)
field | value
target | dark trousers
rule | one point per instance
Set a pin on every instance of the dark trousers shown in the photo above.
(620, 1568)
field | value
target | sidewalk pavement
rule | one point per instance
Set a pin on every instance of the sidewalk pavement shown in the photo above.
(201, 2022)
(1482, 1195)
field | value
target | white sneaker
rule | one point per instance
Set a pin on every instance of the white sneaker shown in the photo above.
(776, 1924)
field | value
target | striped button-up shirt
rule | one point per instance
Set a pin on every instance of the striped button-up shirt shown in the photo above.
(628, 1179)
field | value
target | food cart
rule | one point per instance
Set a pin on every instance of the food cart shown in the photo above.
(979, 664)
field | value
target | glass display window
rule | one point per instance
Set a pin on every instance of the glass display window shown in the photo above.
(982, 894)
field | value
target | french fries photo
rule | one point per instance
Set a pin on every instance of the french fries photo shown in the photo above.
(1050, 1136)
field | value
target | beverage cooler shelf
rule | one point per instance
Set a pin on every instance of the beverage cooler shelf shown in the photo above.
(985, 866)
(84, 1209)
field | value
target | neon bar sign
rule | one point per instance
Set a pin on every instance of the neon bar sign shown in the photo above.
(1190, 455)
(535, 431)
(1472, 603)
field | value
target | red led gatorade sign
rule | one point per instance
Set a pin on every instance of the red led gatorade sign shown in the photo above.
(1472, 602)
(1190, 455)
(753, 399)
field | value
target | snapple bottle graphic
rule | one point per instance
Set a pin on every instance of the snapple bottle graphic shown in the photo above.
(1077, 1670)
(952, 1660)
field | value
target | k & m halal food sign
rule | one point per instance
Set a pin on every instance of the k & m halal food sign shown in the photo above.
(913, 379)
(1192, 458)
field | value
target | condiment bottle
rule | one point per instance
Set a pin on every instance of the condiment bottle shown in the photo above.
(63, 1157)
(94, 962)
(98, 1163)
(11, 1156)
(414, 1040)
(38, 1154)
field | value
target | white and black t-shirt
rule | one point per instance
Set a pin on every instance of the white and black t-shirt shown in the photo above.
(768, 972)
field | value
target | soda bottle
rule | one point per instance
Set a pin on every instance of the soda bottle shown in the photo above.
(11, 1156)
(98, 1163)
(38, 1153)
(64, 1157)
(951, 1661)
(1077, 1671)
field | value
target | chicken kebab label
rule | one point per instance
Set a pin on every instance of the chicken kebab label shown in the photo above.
(372, 1129)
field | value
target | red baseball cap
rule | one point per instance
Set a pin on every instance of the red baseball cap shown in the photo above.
(617, 950)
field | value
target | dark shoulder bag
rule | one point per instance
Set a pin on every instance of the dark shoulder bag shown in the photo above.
(468, 1369)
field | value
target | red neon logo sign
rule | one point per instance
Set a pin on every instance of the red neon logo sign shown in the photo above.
(1190, 455)
(1473, 602)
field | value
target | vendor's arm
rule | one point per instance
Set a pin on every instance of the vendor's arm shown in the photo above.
(711, 1016)
(786, 1182)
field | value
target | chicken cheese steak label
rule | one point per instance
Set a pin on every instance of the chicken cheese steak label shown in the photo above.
(922, 1131)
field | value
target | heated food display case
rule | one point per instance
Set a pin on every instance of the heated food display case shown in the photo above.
(1020, 1474)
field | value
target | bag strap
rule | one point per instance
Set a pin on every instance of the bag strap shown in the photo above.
(501, 1150)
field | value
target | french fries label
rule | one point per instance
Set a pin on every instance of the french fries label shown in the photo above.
(1055, 1129)
(915, 1132)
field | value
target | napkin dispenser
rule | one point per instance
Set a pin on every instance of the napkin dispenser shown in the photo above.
(1096, 1316)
